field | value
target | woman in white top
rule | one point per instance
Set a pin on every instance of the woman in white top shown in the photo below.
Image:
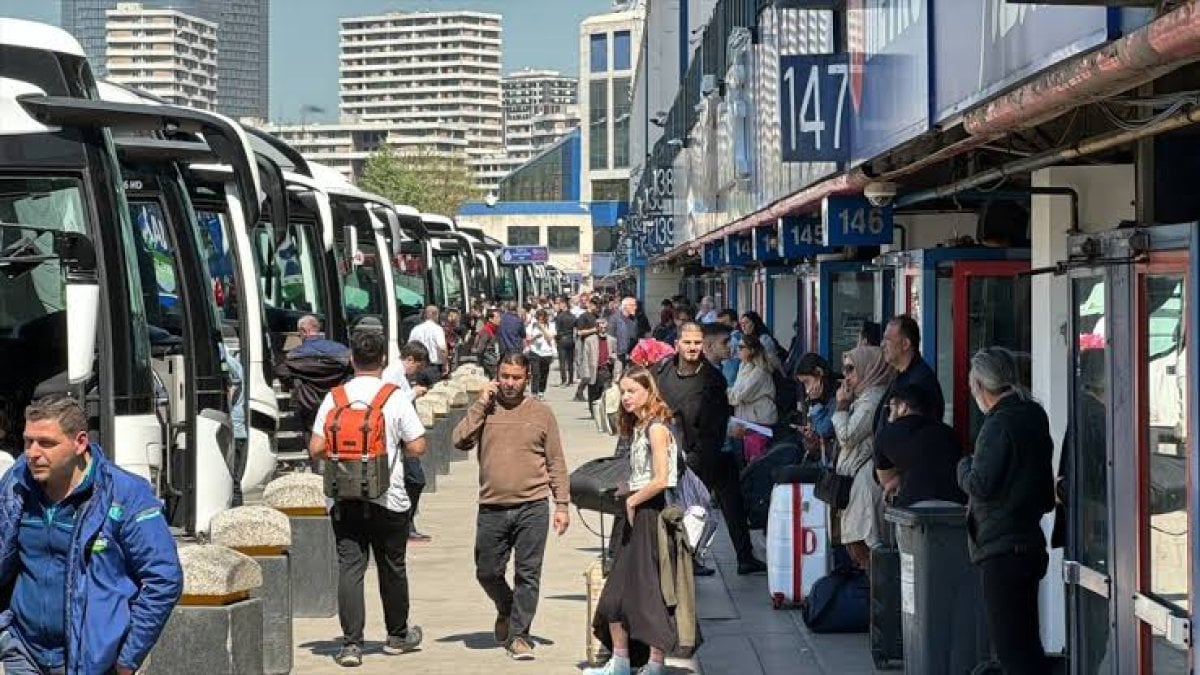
(753, 396)
(631, 613)
(539, 346)
(867, 379)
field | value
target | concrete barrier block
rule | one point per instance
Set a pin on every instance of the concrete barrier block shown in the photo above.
(468, 369)
(425, 412)
(253, 530)
(438, 403)
(215, 575)
(314, 570)
(296, 493)
(473, 383)
(206, 640)
(276, 596)
(455, 416)
(455, 394)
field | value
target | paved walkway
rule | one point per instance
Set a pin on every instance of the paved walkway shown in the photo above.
(743, 634)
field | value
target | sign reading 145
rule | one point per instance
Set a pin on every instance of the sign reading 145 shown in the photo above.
(813, 116)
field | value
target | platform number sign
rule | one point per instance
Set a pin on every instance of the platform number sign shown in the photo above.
(814, 116)
(802, 236)
(741, 248)
(854, 221)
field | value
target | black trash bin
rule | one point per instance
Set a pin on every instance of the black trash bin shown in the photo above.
(944, 625)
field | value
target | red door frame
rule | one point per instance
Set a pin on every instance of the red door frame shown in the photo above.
(964, 271)
(1160, 262)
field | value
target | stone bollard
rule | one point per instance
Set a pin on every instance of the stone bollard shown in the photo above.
(265, 534)
(217, 627)
(314, 568)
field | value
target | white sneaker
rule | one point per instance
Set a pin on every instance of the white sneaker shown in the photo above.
(617, 665)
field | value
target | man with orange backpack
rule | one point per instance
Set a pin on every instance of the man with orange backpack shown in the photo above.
(362, 428)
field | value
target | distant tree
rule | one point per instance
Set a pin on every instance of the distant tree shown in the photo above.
(422, 177)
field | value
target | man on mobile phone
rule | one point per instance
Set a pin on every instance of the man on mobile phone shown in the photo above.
(521, 464)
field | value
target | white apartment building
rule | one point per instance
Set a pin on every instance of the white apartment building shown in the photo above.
(540, 107)
(425, 72)
(608, 54)
(347, 146)
(163, 52)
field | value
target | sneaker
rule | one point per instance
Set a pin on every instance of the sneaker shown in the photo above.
(501, 629)
(415, 537)
(615, 666)
(751, 566)
(519, 649)
(699, 569)
(653, 668)
(397, 644)
(350, 656)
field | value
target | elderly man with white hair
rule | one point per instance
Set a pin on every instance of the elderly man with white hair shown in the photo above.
(708, 310)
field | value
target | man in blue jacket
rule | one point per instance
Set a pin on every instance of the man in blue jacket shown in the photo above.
(85, 552)
(511, 332)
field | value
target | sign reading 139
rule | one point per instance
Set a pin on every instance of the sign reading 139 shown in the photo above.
(814, 121)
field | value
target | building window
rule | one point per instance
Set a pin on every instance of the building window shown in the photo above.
(610, 190)
(599, 52)
(621, 50)
(621, 109)
(523, 235)
(598, 124)
(562, 239)
(604, 239)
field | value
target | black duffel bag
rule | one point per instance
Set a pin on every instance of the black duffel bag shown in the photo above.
(757, 480)
(594, 485)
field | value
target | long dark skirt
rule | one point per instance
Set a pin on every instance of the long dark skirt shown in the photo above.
(632, 595)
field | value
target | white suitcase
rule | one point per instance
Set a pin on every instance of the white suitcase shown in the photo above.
(797, 543)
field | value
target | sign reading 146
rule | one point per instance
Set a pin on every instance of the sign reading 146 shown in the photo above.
(813, 116)
(854, 221)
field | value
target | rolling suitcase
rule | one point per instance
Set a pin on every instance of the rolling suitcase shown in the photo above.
(594, 652)
(887, 633)
(797, 543)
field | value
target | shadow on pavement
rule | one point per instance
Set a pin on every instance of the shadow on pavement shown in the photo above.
(330, 647)
(486, 640)
(576, 597)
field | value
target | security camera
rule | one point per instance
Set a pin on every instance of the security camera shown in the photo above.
(880, 193)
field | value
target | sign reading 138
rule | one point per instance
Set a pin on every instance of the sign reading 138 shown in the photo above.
(813, 117)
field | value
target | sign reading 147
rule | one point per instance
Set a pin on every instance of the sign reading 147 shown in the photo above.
(813, 116)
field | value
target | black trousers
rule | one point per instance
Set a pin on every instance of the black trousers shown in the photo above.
(360, 527)
(519, 531)
(566, 363)
(1010, 593)
(540, 372)
(720, 476)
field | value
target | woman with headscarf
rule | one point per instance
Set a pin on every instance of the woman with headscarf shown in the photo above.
(867, 377)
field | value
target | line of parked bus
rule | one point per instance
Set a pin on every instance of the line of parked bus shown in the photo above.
(149, 253)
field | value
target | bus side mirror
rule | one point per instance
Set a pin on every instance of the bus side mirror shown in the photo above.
(82, 295)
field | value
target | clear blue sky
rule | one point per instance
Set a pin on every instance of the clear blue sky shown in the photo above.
(304, 43)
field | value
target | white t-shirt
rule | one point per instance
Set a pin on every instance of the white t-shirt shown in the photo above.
(542, 345)
(395, 374)
(403, 425)
(430, 334)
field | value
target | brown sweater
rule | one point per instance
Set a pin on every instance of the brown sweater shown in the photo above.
(520, 453)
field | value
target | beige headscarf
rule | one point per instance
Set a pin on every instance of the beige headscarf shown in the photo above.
(872, 370)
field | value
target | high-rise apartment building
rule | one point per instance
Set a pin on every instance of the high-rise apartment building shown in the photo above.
(242, 44)
(540, 107)
(608, 52)
(165, 52)
(425, 73)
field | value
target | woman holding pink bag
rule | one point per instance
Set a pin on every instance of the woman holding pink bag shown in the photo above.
(753, 397)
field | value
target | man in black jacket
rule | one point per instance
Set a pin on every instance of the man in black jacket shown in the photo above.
(916, 456)
(901, 346)
(695, 390)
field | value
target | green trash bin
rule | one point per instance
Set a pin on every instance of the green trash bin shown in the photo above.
(941, 599)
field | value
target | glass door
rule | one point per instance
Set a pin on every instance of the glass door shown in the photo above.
(990, 309)
(1088, 565)
(1163, 601)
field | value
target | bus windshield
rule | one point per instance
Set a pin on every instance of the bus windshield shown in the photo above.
(451, 274)
(295, 283)
(408, 276)
(362, 278)
(507, 287)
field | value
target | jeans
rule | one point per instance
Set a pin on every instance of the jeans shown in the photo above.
(360, 526)
(15, 658)
(519, 530)
(1010, 593)
(566, 363)
(540, 372)
(241, 452)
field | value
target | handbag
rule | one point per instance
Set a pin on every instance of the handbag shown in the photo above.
(834, 489)
(839, 602)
